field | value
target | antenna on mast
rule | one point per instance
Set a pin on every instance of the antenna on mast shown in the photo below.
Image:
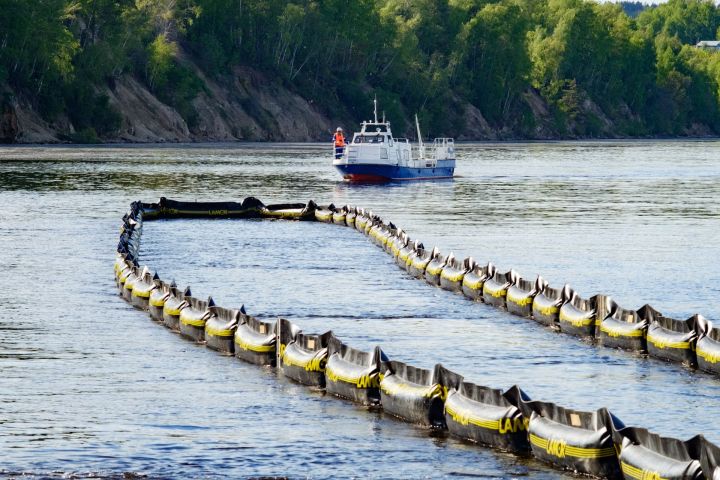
(375, 108)
(384, 116)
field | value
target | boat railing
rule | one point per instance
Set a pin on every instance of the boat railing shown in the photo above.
(443, 148)
(340, 152)
(425, 156)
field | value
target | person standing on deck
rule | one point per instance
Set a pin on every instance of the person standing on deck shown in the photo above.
(339, 140)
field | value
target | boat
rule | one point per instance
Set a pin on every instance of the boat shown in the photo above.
(374, 155)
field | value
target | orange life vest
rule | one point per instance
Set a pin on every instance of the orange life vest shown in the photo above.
(339, 140)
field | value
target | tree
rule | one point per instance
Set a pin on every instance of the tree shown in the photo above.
(496, 63)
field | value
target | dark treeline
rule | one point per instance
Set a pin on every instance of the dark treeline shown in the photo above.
(586, 61)
(633, 9)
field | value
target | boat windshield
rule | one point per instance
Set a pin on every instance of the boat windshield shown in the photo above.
(369, 139)
(375, 127)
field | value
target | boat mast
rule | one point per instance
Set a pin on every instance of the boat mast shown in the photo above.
(375, 108)
(420, 141)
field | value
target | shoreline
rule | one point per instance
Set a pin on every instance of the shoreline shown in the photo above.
(271, 144)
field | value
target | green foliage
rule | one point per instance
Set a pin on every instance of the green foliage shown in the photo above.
(37, 47)
(569, 99)
(179, 87)
(495, 63)
(86, 135)
(161, 57)
(688, 20)
(90, 110)
(392, 109)
(433, 57)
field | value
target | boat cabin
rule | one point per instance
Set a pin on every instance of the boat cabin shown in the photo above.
(374, 148)
(374, 133)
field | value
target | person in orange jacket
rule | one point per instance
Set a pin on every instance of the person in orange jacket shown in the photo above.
(339, 140)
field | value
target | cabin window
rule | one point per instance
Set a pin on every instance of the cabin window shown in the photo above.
(369, 139)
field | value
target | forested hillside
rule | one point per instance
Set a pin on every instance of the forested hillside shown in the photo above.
(85, 70)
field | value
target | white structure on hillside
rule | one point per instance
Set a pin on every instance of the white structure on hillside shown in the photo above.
(713, 45)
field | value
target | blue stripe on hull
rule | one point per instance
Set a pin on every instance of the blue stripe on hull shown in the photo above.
(369, 171)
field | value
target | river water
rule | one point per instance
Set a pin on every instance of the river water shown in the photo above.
(91, 387)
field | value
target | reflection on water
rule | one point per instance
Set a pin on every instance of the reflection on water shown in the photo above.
(87, 384)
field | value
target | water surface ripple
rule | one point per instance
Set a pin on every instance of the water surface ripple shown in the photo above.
(89, 386)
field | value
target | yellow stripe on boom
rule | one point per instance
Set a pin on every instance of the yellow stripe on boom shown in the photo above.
(552, 309)
(434, 269)
(468, 419)
(709, 357)
(158, 302)
(576, 322)
(614, 332)
(420, 263)
(289, 213)
(501, 292)
(312, 365)
(142, 293)
(473, 285)
(400, 388)
(253, 347)
(520, 301)
(662, 344)
(186, 319)
(364, 381)
(172, 311)
(639, 473)
(449, 276)
(218, 332)
(502, 426)
(560, 449)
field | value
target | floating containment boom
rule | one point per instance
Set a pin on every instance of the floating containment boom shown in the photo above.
(590, 442)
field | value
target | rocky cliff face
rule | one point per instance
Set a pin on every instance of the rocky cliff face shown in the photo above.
(252, 108)
(249, 106)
